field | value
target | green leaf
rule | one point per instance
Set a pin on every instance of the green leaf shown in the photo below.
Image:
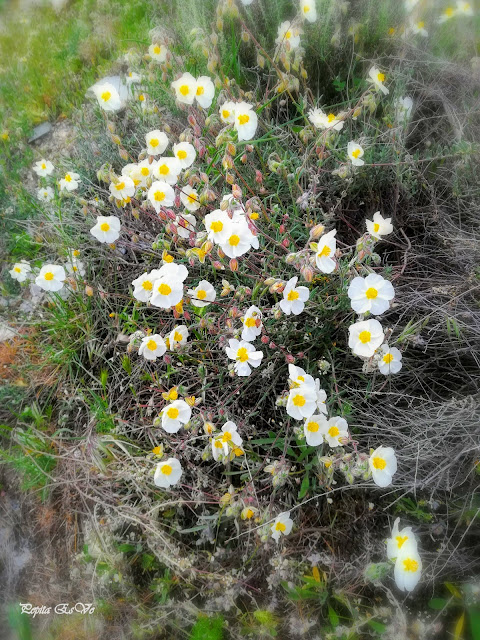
(438, 603)
(333, 617)
(379, 627)
(474, 617)
(304, 487)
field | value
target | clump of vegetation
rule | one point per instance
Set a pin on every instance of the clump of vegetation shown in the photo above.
(254, 282)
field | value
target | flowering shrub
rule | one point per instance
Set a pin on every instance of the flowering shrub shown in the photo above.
(247, 329)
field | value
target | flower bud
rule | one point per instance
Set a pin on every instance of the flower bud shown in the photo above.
(265, 339)
(316, 231)
(233, 264)
(123, 153)
(285, 242)
(289, 358)
(236, 192)
(89, 291)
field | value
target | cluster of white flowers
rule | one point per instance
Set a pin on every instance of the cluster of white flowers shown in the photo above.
(50, 277)
(187, 89)
(242, 115)
(233, 232)
(402, 549)
(242, 351)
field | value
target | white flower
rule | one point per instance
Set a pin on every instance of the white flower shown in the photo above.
(282, 525)
(227, 112)
(190, 198)
(157, 142)
(205, 91)
(372, 293)
(152, 347)
(173, 270)
(390, 360)
(334, 430)
(186, 223)
(157, 52)
(107, 96)
(408, 568)
(167, 473)
(70, 181)
(244, 355)
(221, 446)
(185, 88)
(383, 465)
(167, 292)
(75, 267)
(20, 271)
(161, 195)
(326, 247)
(379, 226)
(43, 167)
(45, 194)
(313, 428)
(308, 10)
(203, 294)
(252, 324)
(321, 120)
(464, 7)
(321, 397)
(395, 544)
(167, 169)
(178, 336)
(143, 285)
(298, 376)
(107, 229)
(217, 224)
(139, 173)
(378, 78)
(123, 189)
(447, 14)
(288, 33)
(51, 277)
(294, 298)
(365, 337)
(174, 415)
(238, 237)
(133, 78)
(355, 153)
(417, 28)
(302, 402)
(185, 154)
(246, 120)
(403, 108)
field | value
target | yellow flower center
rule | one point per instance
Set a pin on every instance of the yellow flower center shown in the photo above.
(120, 186)
(184, 89)
(164, 170)
(356, 153)
(333, 432)
(76, 253)
(166, 469)
(401, 540)
(243, 118)
(248, 514)
(409, 564)
(192, 198)
(313, 427)
(156, 50)
(216, 226)
(201, 294)
(379, 463)
(68, 178)
(106, 95)
(17, 269)
(288, 35)
(325, 252)
(151, 345)
(147, 285)
(280, 526)
(365, 336)
(381, 77)
(225, 114)
(141, 97)
(331, 117)
(371, 293)
(420, 25)
(387, 358)
(182, 154)
(306, 8)
(104, 226)
(250, 322)
(376, 227)
(157, 450)
(173, 413)
(218, 444)
(164, 289)
(145, 171)
(233, 240)
(44, 166)
(200, 91)
(292, 295)
(48, 275)
(242, 354)
(298, 400)
(227, 436)
(177, 336)
(159, 196)
(154, 142)
(449, 11)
